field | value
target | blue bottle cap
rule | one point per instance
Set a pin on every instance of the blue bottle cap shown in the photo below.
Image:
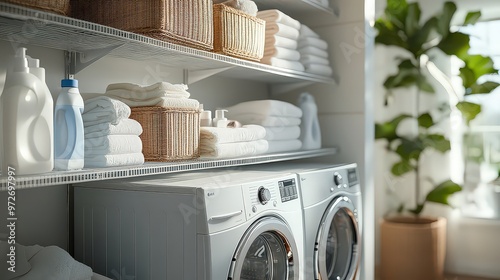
(69, 83)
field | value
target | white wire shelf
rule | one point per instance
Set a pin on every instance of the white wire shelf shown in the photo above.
(153, 168)
(24, 26)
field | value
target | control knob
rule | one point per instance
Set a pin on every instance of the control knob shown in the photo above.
(337, 179)
(264, 195)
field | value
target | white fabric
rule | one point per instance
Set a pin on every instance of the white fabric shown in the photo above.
(282, 53)
(278, 16)
(319, 69)
(313, 51)
(312, 41)
(245, 6)
(313, 59)
(114, 160)
(124, 127)
(112, 144)
(266, 107)
(282, 132)
(283, 146)
(217, 135)
(231, 150)
(137, 92)
(273, 28)
(278, 41)
(185, 103)
(305, 31)
(283, 63)
(267, 121)
(103, 109)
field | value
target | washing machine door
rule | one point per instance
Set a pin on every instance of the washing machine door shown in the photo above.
(266, 252)
(337, 248)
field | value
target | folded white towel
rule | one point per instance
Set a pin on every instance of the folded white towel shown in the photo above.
(282, 53)
(103, 109)
(320, 69)
(312, 41)
(282, 132)
(137, 92)
(283, 146)
(273, 28)
(263, 120)
(313, 59)
(313, 51)
(186, 103)
(266, 107)
(231, 150)
(305, 31)
(112, 144)
(114, 160)
(278, 16)
(283, 63)
(49, 262)
(124, 127)
(279, 41)
(245, 6)
(218, 135)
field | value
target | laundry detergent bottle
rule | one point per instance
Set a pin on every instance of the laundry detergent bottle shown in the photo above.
(27, 119)
(68, 127)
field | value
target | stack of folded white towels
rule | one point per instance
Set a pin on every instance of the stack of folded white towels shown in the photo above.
(282, 33)
(229, 142)
(111, 138)
(280, 119)
(246, 6)
(313, 52)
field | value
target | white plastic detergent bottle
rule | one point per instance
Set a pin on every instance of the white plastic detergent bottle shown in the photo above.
(68, 127)
(27, 119)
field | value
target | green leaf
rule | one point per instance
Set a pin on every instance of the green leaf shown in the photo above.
(455, 43)
(396, 12)
(468, 77)
(475, 67)
(437, 142)
(410, 149)
(388, 35)
(417, 209)
(412, 19)
(406, 76)
(388, 129)
(483, 88)
(444, 20)
(469, 110)
(472, 18)
(442, 192)
(401, 168)
(422, 36)
(425, 120)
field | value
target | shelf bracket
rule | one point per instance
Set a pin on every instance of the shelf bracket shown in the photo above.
(277, 89)
(77, 61)
(193, 76)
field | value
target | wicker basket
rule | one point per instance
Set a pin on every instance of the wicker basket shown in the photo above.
(238, 34)
(61, 7)
(169, 134)
(183, 22)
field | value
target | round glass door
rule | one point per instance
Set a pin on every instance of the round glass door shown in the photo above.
(337, 245)
(266, 253)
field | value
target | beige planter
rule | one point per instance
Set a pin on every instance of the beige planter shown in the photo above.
(413, 248)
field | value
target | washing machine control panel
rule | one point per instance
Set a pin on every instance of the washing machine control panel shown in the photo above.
(264, 195)
(288, 190)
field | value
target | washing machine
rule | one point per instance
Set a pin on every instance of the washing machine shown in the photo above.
(210, 225)
(331, 201)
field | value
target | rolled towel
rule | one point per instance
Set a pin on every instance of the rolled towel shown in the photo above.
(278, 41)
(283, 146)
(323, 70)
(268, 121)
(312, 41)
(274, 15)
(217, 135)
(313, 59)
(266, 107)
(112, 144)
(313, 51)
(186, 103)
(282, 53)
(283, 63)
(114, 160)
(124, 127)
(305, 31)
(282, 132)
(103, 109)
(231, 150)
(273, 28)
(137, 92)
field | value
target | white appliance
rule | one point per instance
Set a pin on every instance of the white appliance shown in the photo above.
(331, 199)
(223, 224)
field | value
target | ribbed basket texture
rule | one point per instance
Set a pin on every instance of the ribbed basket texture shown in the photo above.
(169, 134)
(183, 22)
(61, 7)
(238, 34)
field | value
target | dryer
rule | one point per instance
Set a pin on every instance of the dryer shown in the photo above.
(331, 201)
(210, 225)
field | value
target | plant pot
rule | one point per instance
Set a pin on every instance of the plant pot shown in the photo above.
(413, 248)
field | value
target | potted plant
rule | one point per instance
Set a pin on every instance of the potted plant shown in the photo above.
(413, 247)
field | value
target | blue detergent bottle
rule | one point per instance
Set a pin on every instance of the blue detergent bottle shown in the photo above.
(68, 128)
